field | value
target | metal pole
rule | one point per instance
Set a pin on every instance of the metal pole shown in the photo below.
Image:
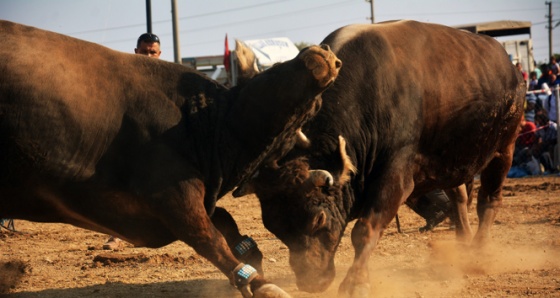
(557, 155)
(549, 27)
(371, 5)
(176, 43)
(149, 15)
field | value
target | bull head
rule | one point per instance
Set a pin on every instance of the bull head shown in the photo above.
(305, 209)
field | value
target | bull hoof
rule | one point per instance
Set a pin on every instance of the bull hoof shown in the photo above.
(361, 291)
(270, 291)
(323, 64)
(357, 291)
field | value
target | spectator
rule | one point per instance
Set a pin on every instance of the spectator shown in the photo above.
(527, 135)
(533, 81)
(553, 65)
(538, 71)
(523, 73)
(148, 44)
(554, 80)
(543, 97)
(546, 141)
(543, 79)
(531, 107)
(523, 161)
(551, 101)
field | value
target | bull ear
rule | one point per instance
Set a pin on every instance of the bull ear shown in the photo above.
(320, 178)
(247, 61)
(348, 167)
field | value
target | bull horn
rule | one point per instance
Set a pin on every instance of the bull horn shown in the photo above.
(246, 187)
(242, 190)
(347, 165)
(301, 139)
(320, 178)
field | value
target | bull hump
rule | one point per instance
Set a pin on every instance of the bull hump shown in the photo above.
(351, 32)
(342, 36)
(348, 33)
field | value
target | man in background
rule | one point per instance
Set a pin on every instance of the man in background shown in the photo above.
(148, 44)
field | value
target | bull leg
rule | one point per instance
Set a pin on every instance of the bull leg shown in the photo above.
(460, 198)
(180, 206)
(490, 193)
(207, 241)
(243, 247)
(386, 198)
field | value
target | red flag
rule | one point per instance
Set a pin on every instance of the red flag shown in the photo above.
(226, 56)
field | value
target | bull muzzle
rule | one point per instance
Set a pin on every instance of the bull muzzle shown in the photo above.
(312, 277)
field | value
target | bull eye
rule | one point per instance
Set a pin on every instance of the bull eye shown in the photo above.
(319, 221)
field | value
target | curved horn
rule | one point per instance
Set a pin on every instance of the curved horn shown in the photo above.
(347, 165)
(245, 187)
(301, 139)
(320, 178)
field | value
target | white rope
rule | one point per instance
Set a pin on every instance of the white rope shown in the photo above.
(546, 90)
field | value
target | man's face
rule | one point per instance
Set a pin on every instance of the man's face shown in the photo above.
(150, 49)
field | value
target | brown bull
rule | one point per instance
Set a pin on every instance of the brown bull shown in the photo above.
(141, 148)
(416, 107)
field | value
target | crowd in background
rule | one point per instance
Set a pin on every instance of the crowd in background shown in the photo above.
(535, 147)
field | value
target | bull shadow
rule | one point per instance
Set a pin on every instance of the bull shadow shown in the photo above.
(191, 288)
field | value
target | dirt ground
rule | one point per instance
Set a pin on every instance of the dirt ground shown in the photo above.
(57, 260)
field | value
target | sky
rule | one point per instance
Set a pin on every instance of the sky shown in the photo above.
(203, 25)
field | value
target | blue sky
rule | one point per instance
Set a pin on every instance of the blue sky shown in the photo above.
(203, 24)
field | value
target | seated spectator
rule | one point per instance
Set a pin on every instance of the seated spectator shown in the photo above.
(551, 101)
(533, 81)
(553, 65)
(527, 136)
(524, 163)
(544, 146)
(530, 107)
(554, 80)
(542, 97)
(545, 70)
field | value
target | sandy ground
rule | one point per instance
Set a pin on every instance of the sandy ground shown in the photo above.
(57, 260)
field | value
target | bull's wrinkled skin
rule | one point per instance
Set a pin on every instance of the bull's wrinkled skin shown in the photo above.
(418, 106)
(141, 148)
